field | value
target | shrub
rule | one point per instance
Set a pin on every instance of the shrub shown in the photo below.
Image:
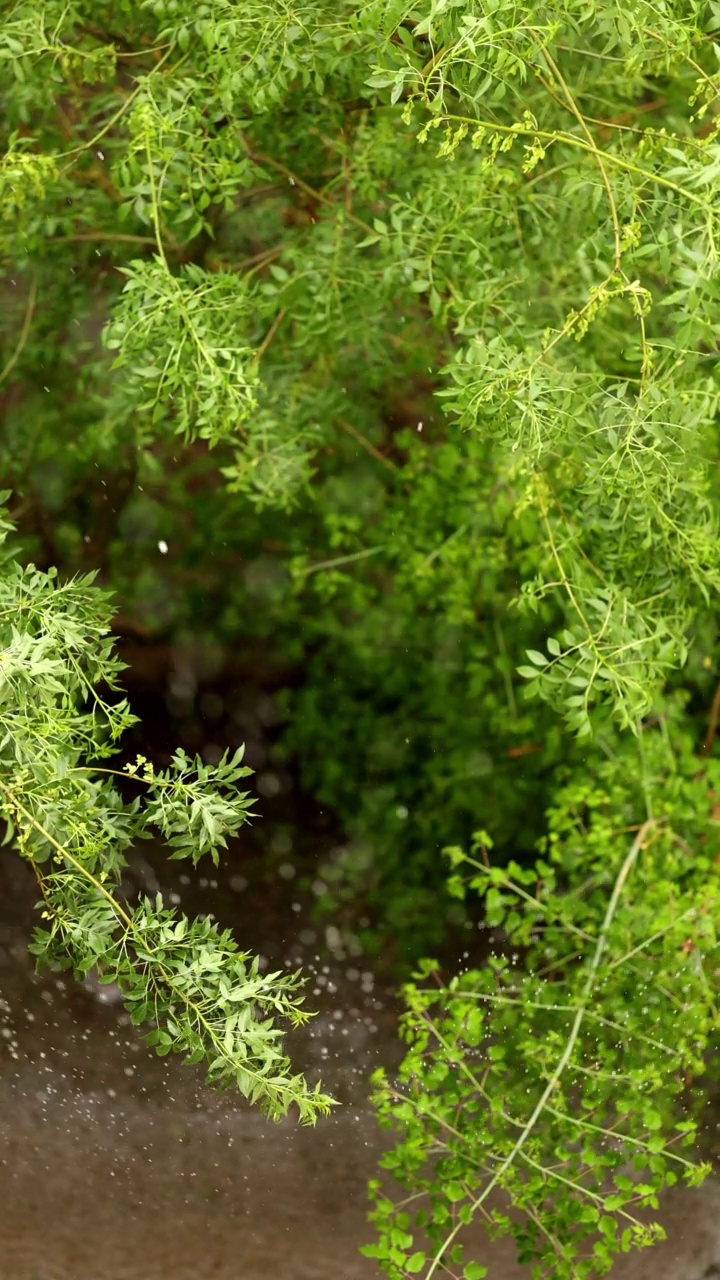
(411, 309)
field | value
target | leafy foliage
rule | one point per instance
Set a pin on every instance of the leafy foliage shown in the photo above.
(410, 310)
(544, 1091)
(204, 997)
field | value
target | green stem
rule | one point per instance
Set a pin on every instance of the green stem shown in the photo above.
(567, 1053)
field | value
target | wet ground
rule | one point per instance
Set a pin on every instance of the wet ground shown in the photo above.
(117, 1165)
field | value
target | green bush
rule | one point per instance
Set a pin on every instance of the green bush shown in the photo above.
(384, 336)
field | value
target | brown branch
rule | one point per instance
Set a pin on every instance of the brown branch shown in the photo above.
(260, 352)
(375, 453)
(260, 158)
(105, 236)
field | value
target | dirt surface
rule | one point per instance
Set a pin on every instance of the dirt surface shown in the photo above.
(115, 1165)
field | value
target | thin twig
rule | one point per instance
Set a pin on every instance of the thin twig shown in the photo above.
(24, 332)
(260, 158)
(260, 352)
(255, 260)
(338, 560)
(371, 449)
(573, 107)
(101, 235)
(712, 724)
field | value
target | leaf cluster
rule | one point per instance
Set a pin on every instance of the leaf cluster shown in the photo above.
(66, 813)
